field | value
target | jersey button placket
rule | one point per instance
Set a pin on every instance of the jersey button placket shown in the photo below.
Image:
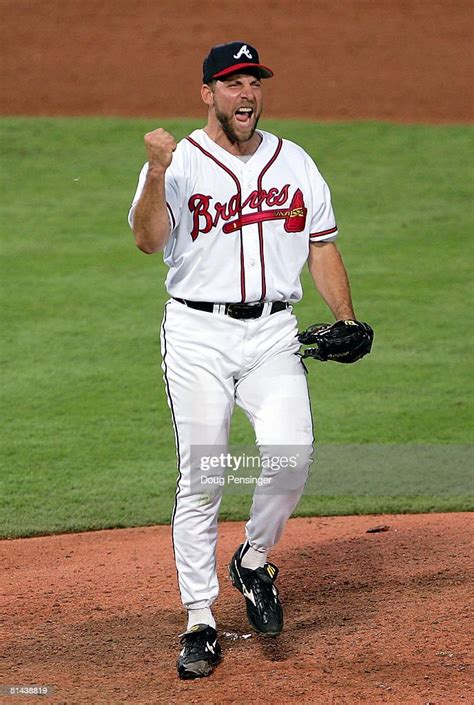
(251, 243)
(251, 252)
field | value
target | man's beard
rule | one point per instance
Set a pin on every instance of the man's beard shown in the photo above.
(225, 123)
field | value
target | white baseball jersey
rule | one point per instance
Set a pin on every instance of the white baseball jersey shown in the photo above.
(240, 230)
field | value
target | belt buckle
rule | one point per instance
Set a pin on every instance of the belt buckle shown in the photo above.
(245, 311)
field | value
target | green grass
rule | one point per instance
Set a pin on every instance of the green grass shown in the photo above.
(86, 435)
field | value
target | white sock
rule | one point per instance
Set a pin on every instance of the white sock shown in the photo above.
(201, 616)
(254, 559)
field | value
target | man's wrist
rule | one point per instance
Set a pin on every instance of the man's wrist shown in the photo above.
(344, 314)
(156, 171)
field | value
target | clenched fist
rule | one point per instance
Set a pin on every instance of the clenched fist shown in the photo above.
(160, 146)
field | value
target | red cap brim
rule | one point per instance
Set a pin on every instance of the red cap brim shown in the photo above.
(264, 70)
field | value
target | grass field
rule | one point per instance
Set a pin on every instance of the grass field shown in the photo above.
(86, 434)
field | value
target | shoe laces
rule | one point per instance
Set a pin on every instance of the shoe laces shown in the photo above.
(195, 642)
(263, 588)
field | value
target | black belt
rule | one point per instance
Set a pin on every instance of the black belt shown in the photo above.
(250, 310)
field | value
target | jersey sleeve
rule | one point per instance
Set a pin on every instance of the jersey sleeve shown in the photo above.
(173, 195)
(138, 192)
(323, 226)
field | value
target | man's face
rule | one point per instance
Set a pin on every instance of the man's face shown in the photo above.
(237, 102)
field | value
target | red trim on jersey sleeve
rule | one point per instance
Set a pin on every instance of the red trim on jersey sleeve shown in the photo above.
(239, 191)
(260, 227)
(322, 233)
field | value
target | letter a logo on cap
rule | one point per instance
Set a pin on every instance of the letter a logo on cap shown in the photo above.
(243, 50)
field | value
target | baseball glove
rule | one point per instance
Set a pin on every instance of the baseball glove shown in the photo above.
(343, 341)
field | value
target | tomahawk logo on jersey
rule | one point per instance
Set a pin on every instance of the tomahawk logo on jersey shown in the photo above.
(261, 213)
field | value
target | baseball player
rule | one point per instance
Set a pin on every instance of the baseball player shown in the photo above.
(237, 213)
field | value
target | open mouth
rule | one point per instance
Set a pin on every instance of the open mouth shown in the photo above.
(244, 115)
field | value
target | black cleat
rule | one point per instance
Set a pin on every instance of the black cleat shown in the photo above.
(264, 609)
(200, 653)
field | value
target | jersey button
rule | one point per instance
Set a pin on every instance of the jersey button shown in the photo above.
(252, 263)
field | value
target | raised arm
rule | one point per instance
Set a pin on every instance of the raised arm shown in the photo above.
(150, 218)
(330, 277)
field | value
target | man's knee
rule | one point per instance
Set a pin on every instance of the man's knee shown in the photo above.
(285, 468)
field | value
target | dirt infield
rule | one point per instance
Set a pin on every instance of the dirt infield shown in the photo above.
(370, 618)
(402, 60)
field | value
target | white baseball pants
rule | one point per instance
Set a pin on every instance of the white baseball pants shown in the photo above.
(210, 362)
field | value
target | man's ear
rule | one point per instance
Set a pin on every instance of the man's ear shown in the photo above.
(207, 95)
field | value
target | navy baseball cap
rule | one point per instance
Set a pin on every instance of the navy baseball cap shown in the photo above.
(233, 57)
